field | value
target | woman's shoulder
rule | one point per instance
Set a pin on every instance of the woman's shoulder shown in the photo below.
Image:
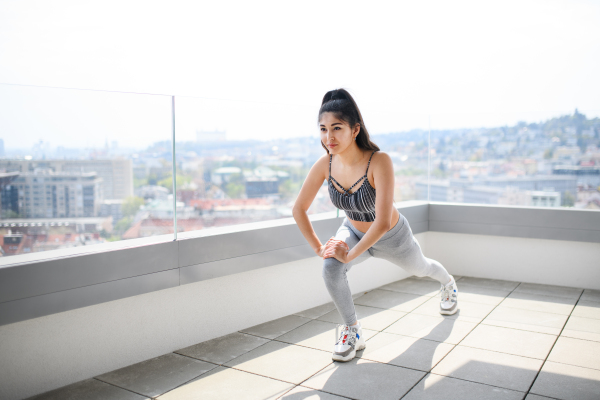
(322, 164)
(380, 159)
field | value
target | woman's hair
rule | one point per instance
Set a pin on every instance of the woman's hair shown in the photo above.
(342, 105)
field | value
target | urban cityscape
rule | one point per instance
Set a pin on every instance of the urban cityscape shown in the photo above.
(57, 197)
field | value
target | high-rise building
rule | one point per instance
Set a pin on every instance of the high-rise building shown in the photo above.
(116, 174)
(44, 193)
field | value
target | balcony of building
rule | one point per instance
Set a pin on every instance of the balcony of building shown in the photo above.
(242, 312)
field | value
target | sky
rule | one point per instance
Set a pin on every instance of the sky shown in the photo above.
(259, 69)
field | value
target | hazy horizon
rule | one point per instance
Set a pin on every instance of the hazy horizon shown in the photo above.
(259, 70)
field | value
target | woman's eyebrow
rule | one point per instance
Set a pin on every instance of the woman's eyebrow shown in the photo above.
(335, 123)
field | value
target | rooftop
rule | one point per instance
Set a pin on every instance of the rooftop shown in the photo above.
(510, 340)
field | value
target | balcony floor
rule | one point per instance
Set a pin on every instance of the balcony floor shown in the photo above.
(509, 340)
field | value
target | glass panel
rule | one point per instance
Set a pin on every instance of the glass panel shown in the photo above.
(522, 160)
(81, 168)
(240, 162)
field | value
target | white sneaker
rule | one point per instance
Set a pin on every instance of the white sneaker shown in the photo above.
(350, 341)
(449, 300)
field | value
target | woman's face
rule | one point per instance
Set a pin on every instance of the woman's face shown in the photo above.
(336, 134)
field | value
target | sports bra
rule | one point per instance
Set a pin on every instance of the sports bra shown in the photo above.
(360, 205)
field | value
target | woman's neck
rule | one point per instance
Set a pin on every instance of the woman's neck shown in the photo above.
(351, 156)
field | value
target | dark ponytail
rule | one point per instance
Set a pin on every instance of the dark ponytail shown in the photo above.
(342, 105)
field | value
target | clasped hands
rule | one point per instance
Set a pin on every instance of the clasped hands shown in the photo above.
(335, 248)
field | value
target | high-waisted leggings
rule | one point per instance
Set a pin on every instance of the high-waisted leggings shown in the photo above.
(398, 245)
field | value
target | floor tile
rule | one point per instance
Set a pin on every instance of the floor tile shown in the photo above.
(89, 389)
(228, 383)
(316, 312)
(537, 302)
(567, 382)
(489, 367)
(357, 295)
(224, 348)
(581, 353)
(536, 397)
(405, 351)
(591, 295)
(437, 387)
(369, 317)
(528, 320)
(465, 309)
(157, 375)
(511, 341)
(587, 309)
(489, 283)
(549, 290)
(414, 286)
(304, 393)
(480, 294)
(282, 361)
(317, 334)
(363, 379)
(439, 329)
(277, 327)
(391, 300)
(582, 328)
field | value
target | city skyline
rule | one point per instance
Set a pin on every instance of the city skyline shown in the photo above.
(489, 65)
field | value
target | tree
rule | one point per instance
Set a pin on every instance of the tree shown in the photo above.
(234, 190)
(131, 205)
(568, 200)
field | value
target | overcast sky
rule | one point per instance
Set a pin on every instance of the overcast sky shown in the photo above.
(259, 69)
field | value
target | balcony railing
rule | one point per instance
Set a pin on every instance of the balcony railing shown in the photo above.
(87, 314)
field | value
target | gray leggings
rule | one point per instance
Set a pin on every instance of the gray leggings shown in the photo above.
(398, 245)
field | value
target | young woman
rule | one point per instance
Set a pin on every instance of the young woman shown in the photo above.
(372, 227)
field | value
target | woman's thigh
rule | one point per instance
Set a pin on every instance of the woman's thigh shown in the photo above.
(402, 249)
(346, 234)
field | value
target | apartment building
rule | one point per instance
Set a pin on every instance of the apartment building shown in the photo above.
(116, 174)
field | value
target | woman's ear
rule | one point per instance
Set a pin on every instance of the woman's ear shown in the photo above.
(356, 129)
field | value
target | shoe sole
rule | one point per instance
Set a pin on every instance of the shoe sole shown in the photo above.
(443, 312)
(349, 356)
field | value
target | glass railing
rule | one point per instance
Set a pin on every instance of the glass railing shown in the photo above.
(83, 168)
(544, 160)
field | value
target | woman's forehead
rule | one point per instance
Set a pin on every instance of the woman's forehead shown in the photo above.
(329, 118)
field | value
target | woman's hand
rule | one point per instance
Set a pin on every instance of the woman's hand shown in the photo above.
(335, 248)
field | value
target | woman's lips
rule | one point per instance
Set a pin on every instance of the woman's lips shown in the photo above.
(331, 145)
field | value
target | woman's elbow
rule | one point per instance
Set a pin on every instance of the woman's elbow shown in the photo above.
(297, 210)
(385, 225)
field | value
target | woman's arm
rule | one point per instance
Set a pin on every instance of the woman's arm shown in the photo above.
(383, 175)
(310, 187)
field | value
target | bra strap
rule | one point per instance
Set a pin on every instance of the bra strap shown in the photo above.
(367, 164)
(330, 166)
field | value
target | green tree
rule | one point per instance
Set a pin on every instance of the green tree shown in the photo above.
(234, 189)
(180, 180)
(123, 224)
(548, 153)
(568, 200)
(131, 205)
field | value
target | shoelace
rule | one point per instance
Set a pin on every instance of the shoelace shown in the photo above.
(351, 337)
(445, 291)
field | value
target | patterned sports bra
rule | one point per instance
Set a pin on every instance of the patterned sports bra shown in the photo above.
(360, 205)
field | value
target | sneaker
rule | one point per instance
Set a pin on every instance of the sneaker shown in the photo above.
(449, 300)
(350, 341)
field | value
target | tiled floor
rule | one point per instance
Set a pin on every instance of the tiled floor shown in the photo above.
(509, 340)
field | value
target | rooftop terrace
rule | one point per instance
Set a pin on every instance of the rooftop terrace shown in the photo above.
(510, 340)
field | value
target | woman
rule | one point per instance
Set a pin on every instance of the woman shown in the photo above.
(372, 227)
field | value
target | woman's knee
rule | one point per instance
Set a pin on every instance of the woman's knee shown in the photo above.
(332, 269)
